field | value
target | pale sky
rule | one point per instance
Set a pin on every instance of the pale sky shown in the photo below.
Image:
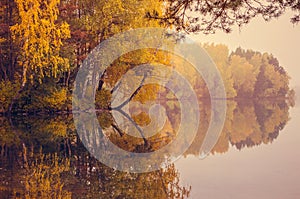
(265, 171)
(278, 37)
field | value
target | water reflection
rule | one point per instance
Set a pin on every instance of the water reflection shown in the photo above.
(248, 124)
(44, 158)
(49, 161)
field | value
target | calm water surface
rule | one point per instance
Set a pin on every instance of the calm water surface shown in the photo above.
(256, 156)
(266, 171)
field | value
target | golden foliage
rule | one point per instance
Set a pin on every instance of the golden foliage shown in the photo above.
(142, 119)
(40, 39)
(43, 177)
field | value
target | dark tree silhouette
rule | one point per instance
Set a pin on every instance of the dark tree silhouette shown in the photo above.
(211, 15)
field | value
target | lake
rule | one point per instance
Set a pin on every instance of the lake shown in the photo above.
(256, 156)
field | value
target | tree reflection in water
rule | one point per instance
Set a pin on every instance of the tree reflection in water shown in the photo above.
(44, 158)
(56, 165)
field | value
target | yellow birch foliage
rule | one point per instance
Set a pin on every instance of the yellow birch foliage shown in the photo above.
(40, 39)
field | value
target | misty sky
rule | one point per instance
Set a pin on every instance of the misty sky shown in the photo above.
(279, 37)
(267, 171)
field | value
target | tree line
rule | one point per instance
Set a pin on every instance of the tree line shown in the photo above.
(43, 44)
(250, 74)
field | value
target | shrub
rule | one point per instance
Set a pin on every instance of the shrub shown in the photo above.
(8, 90)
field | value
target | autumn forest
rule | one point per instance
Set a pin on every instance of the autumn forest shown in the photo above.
(43, 44)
